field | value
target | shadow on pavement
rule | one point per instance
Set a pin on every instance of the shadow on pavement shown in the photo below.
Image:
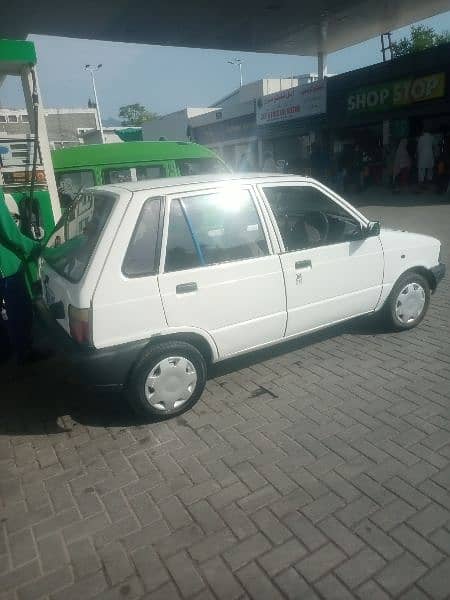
(45, 399)
(367, 326)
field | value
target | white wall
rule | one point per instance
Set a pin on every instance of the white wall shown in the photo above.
(255, 89)
(94, 137)
(172, 126)
(218, 114)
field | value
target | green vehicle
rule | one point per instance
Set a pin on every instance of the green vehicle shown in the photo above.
(79, 167)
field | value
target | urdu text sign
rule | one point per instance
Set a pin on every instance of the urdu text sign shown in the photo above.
(293, 103)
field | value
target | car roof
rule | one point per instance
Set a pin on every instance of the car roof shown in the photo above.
(199, 180)
(125, 152)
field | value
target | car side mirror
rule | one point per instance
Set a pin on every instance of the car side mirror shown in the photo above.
(372, 229)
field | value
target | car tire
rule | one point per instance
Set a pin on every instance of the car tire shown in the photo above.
(167, 380)
(408, 302)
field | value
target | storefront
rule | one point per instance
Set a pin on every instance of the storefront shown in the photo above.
(372, 109)
(289, 122)
(234, 139)
(356, 119)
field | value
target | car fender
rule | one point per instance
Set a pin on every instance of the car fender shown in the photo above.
(404, 251)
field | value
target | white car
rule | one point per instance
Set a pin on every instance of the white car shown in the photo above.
(150, 282)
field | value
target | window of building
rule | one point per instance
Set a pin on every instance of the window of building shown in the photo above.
(13, 118)
(308, 218)
(2, 119)
(214, 228)
(142, 257)
(24, 119)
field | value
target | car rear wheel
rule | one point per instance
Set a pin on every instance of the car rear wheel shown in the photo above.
(168, 380)
(408, 302)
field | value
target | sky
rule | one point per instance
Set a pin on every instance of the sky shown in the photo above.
(166, 79)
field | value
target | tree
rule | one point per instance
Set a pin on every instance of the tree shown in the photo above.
(420, 38)
(133, 115)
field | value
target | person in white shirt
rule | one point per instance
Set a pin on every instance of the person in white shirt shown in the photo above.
(425, 158)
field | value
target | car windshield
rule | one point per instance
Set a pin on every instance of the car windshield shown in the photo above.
(71, 245)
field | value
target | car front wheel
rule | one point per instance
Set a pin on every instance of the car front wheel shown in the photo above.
(408, 302)
(168, 380)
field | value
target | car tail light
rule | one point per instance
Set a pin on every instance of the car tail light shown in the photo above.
(79, 324)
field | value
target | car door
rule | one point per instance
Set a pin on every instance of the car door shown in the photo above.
(332, 271)
(219, 272)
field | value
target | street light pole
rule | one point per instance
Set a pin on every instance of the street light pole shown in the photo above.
(92, 69)
(237, 62)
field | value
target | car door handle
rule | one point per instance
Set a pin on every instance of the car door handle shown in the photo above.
(186, 288)
(303, 264)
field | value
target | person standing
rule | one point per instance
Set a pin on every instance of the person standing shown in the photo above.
(269, 165)
(402, 166)
(15, 302)
(425, 158)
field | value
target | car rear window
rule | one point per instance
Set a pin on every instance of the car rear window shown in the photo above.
(71, 183)
(142, 257)
(70, 247)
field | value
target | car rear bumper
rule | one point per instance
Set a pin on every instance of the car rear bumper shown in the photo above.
(107, 368)
(438, 272)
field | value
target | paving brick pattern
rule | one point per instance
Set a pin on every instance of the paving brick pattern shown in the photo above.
(320, 469)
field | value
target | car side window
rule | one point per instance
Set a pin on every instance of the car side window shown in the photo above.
(120, 175)
(142, 255)
(150, 172)
(181, 252)
(212, 229)
(308, 218)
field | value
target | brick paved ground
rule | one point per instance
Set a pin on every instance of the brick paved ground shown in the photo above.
(317, 470)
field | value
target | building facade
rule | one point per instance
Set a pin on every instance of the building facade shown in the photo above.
(356, 116)
(373, 108)
(173, 126)
(233, 129)
(94, 136)
(65, 126)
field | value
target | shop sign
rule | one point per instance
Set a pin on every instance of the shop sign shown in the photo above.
(396, 94)
(294, 103)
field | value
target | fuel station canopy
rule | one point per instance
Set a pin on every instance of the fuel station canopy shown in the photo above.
(280, 26)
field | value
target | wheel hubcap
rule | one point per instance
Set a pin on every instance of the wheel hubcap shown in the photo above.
(170, 383)
(410, 303)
